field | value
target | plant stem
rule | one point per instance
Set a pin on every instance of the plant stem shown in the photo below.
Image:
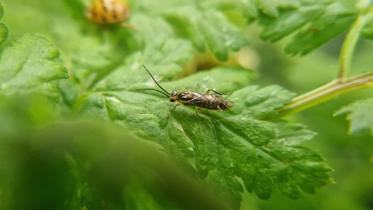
(348, 48)
(349, 44)
(326, 92)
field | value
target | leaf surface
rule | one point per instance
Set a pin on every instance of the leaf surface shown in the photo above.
(309, 25)
(3, 28)
(360, 116)
(31, 64)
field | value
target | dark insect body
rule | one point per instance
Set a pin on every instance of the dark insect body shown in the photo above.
(204, 100)
(108, 12)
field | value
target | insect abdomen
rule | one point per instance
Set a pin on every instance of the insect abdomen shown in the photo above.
(213, 102)
(205, 101)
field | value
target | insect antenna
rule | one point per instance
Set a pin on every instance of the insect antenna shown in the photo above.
(159, 91)
(150, 74)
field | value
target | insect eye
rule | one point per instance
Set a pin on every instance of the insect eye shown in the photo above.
(172, 99)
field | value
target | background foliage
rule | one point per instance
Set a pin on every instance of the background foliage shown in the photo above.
(57, 68)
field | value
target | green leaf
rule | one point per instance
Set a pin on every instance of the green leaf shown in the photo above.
(290, 21)
(335, 21)
(241, 142)
(360, 116)
(31, 64)
(3, 28)
(205, 26)
(268, 7)
(208, 28)
(310, 24)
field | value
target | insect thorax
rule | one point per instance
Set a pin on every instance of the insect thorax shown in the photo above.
(188, 95)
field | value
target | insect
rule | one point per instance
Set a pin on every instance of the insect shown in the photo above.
(108, 12)
(213, 101)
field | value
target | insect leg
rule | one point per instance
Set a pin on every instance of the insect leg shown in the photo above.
(198, 109)
(212, 90)
(174, 107)
(191, 100)
(219, 108)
